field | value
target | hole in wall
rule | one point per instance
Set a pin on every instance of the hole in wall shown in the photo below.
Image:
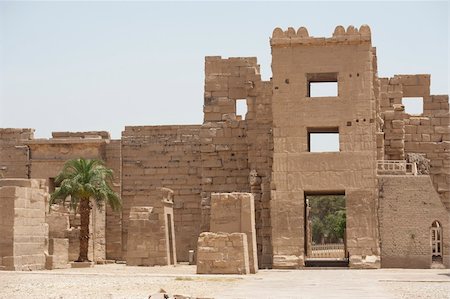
(241, 108)
(323, 140)
(322, 85)
(413, 105)
(323, 89)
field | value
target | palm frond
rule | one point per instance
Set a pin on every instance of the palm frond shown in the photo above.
(81, 179)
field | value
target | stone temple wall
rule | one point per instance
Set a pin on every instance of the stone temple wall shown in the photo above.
(113, 233)
(427, 133)
(14, 156)
(23, 156)
(47, 157)
(408, 207)
(237, 149)
(163, 156)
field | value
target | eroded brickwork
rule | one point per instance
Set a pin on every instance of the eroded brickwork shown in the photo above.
(235, 213)
(47, 157)
(164, 156)
(238, 148)
(113, 160)
(222, 253)
(427, 133)
(408, 207)
(151, 238)
(14, 156)
(23, 231)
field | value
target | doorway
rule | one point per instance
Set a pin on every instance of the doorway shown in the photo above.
(325, 230)
(436, 242)
(170, 239)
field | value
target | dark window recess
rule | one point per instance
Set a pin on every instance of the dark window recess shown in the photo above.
(51, 185)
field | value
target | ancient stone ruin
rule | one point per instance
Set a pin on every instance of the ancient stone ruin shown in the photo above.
(392, 169)
(151, 238)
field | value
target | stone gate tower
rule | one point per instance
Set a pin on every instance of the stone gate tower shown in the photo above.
(298, 61)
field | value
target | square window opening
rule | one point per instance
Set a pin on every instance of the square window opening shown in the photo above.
(413, 106)
(322, 85)
(241, 109)
(323, 140)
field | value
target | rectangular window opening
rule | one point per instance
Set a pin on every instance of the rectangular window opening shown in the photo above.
(323, 140)
(413, 106)
(322, 85)
(241, 109)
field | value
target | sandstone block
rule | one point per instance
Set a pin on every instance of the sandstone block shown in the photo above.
(222, 253)
(235, 212)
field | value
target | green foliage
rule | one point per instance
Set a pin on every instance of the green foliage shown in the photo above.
(85, 179)
(328, 218)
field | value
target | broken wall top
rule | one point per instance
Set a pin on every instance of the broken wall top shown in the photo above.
(350, 36)
(15, 134)
(82, 135)
(25, 183)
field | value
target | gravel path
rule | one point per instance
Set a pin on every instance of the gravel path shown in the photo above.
(119, 281)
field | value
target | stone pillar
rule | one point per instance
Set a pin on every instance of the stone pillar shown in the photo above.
(235, 212)
(58, 254)
(23, 231)
(151, 237)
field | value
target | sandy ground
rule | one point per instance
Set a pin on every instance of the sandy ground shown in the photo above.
(119, 281)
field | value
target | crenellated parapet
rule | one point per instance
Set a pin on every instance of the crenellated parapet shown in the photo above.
(290, 37)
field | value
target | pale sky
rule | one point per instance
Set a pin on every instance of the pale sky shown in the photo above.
(77, 66)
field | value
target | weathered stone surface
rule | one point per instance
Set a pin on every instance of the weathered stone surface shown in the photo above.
(408, 207)
(351, 170)
(23, 231)
(235, 213)
(58, 254)
(222, 253)
(151, 237)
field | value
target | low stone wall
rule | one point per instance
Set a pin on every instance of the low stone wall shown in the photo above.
(222, 253)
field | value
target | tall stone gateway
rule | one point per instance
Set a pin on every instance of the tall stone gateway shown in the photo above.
(298, 62)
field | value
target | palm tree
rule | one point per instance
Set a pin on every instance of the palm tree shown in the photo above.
(83, 180)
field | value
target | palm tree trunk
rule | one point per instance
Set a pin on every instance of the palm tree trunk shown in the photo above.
(85, 211)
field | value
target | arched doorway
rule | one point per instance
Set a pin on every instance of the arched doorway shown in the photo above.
(436, 242)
